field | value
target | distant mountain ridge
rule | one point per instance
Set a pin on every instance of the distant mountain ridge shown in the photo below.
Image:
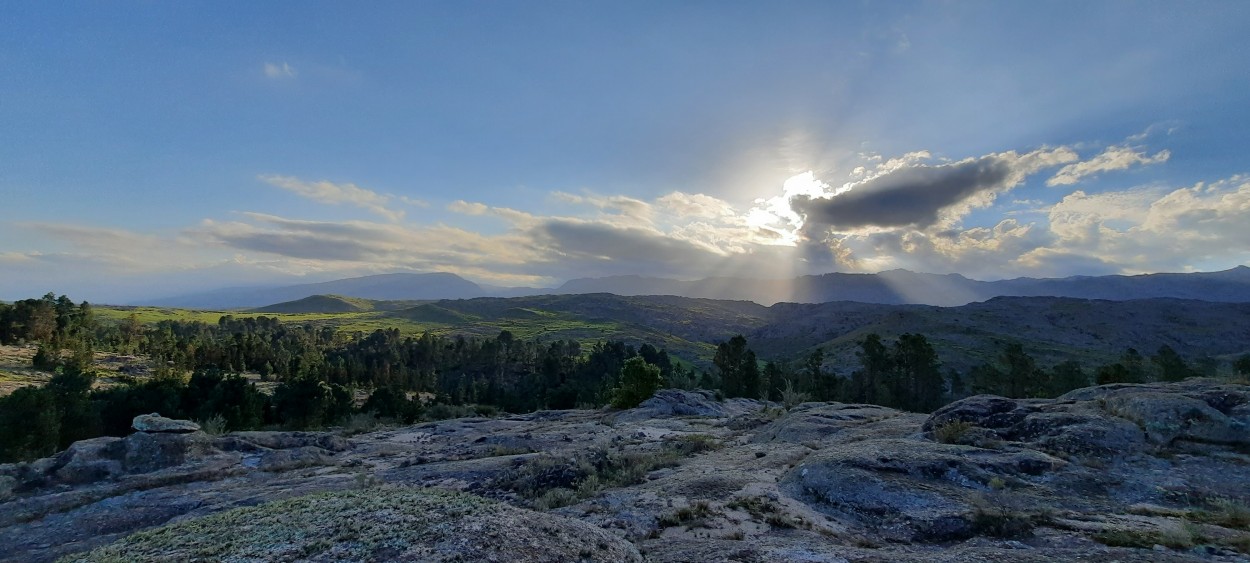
(893, 287)
(382, 287)
(898, 287)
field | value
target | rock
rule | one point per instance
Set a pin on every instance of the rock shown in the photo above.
(155, 423)
(253, 441)
(293, 458)
(677, 402)
(909, 490)
(1167, 417)
(814, 422)
(89, 461)
(1073, 427)
(375, 524)
(148, 451)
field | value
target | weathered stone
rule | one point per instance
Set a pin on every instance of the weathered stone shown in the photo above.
(1167, 417)
(814, 422)
(156, 423)
(245, 441)
(147, 451)
(88, 461)
(924, 487)
(834, 482)
(293, 458)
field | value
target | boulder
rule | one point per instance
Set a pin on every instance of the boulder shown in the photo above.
(149, 451)
(88, 461)
(155, 423)
(1167, 417)
(910, 490)
(815, 422)
(1072, 427)
(700, 402)
(257, 441)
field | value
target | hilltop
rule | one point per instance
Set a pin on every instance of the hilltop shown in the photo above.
(893, 287)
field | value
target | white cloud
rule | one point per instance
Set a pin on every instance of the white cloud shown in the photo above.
(335, 194)
(1116, 157)
(280, 71)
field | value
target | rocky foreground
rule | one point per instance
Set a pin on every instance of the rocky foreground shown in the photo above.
(1157, 472)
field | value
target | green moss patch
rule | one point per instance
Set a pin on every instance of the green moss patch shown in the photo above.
(373, 524)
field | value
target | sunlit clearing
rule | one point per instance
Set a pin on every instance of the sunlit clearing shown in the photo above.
(775, 213)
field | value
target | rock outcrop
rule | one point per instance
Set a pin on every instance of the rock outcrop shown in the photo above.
(156, 424)
(1157, 472)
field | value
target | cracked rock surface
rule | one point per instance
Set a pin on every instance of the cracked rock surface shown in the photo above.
(1154, 472)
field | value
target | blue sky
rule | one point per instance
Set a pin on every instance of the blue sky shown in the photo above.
(158, 148)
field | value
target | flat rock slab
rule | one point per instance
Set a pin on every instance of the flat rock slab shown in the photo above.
(375, 524)
(156, 423)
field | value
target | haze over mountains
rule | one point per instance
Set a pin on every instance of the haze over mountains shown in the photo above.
(890, 287)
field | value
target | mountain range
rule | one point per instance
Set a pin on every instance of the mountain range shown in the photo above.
(890, 287)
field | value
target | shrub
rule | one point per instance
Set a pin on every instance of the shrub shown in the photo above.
(638, 382)
(951, 432)
(791, 397)
(555, 498)
(214, 426)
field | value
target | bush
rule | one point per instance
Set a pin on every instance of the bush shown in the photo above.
(30, 425)
(951, 432)
(638, 382)
(791, 397)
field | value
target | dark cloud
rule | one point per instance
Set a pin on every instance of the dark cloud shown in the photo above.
(598, 241)
(587, 249)
(909, 196)
(298, 245)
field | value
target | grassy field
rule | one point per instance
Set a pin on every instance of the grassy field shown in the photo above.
(525, 323)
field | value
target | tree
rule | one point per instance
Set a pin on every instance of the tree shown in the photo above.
(869, 384)
(302, 402)
(739, 370)
(918, 384)
(1242, 364)
(30, 425)
(391, 403)
(1172, 366)
(824, 386)
(639, 380)
(1067, 376)
(1021, 378)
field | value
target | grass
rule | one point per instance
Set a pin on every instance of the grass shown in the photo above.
(1183, 535)
(374, 523)
(951, 432)
(770, 512)
(550, 481)
(525, 323)
(1004, 516)
(692, 516)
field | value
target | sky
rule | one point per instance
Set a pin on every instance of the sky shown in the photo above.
(150, 149)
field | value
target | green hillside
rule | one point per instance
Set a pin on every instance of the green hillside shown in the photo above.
(1051, 329)
(320, 304)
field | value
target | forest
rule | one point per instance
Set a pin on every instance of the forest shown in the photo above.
(322, 376)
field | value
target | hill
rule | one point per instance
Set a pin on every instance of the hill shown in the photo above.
(897, 287)
(319, 304)
(1053, 329)
(383, 287)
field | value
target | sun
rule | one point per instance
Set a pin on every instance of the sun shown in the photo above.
(775, 213)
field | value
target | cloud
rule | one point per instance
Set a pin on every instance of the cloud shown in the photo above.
(280, 71)
(1117, 157)
(904, 193)
(622, 207)
(335, 194)
(695, 205)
